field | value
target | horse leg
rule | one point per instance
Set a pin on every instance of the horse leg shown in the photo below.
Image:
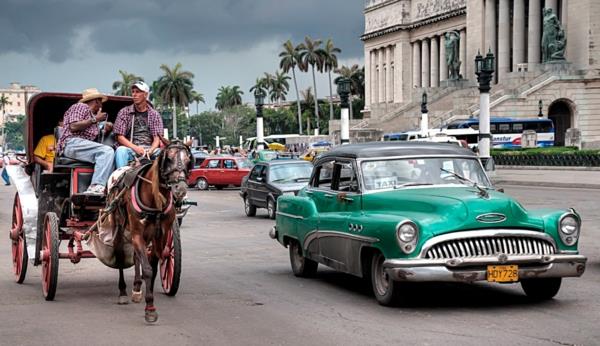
(154, 265)
(136, 293)
(123, 299)
(151, 315)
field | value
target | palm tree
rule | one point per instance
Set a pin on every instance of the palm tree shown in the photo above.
(228, 97)
(309, 101)
(123, 87)
(330, 62)
(175, 85)
(197, 97)
(3, 103)
(355, 75)
(262, 85)
(290, 57)
(279, 86)
(311, 54)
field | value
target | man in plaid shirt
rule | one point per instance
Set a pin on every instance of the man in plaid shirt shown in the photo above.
(138, 128)
(78, 138)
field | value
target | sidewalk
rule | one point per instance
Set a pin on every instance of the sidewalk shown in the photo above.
(567, 177)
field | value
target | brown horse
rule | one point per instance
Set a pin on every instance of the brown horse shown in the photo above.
(146, 215)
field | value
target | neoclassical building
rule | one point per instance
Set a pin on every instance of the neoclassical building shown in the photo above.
(405, 44)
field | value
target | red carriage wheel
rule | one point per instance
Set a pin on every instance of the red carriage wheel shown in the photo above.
(170, 263)
(19, 247)
(49, 256)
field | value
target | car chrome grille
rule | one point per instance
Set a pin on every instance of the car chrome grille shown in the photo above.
(489, 246)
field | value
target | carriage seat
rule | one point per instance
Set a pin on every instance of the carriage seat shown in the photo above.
(67, 162)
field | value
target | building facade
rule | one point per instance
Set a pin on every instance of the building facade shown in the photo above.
(18, 96)
(405, 43)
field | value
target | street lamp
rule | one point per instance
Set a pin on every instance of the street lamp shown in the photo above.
(540, 106)
(343, 89)
(259, 101)
(424, 116)
(484, 69)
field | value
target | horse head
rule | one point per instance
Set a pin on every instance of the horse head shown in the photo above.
(176, 162)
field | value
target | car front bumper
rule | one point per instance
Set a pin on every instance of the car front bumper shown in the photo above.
(475, 268)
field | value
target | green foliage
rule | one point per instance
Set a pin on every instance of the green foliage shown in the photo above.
(175, 84)
(13, 130)
(281, 120)
(123, 87)
(545, 151)
(228, 97)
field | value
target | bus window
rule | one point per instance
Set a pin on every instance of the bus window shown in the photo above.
(493, 128)
(503, 128)
(534, 126)
(517, 127)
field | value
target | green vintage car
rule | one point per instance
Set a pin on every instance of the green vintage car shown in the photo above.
(392, 212)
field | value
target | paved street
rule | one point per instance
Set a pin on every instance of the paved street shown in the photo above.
(238, 289)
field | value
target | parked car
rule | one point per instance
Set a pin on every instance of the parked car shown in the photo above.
(219, 171)
(410, 211)
(269, 180)
(199, 157)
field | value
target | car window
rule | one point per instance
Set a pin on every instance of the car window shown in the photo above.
(323, 175)
(243, 163)
(229, 164)
(256, 171)
(213, 164)
(290, 173)
(345, 177)
(263, 173)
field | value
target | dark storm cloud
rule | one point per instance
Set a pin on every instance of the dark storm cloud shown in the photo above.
(50, 28)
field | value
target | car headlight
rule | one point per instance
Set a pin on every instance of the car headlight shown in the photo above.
(407, 234)
(568, 229)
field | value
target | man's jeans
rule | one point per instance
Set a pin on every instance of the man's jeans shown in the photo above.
(5, 176)
(101, 155)
(125, 154)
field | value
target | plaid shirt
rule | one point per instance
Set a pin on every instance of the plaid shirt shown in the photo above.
(123, 123)
(75, 113)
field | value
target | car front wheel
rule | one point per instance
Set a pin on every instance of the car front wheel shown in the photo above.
(386, 290)
(248, 207)
(202, 184)
(301, 266)
(271, 209)
(541, 289)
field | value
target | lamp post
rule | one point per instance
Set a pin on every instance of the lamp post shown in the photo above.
(424, 116)
(343, 89)
(540, 106)
(484, 69)
(259, 101)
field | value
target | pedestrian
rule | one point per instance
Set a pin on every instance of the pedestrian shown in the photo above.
(77, 141)
(138, 128)
(5, 162)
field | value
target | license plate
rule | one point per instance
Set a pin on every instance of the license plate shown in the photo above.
(506, 273)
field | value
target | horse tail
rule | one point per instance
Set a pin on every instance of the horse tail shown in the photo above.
(158, 198)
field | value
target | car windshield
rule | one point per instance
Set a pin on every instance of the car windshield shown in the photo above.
(268, 155)
(293, 173)
(244, 163)
(400, 173)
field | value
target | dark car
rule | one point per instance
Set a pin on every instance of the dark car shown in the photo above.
(269, 180)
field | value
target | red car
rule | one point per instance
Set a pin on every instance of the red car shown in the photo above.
(220, 171)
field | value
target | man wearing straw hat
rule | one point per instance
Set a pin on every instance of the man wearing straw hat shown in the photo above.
(80, 131)
(138, 127)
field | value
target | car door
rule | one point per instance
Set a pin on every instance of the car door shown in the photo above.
(212, 172)
(255, 185)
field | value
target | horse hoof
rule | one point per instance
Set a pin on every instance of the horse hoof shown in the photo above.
(136, 297)
(151, 316)
(123, 300)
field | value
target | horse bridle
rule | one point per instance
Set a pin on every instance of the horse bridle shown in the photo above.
(178, 167)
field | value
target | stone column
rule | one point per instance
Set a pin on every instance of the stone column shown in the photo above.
(443, 65)
(368, 78)
(401, 64)
(503, 39)
(564, 21)
(462, 53)
(518, 34)
(435, 62)
(380, 87)
(535, 34)
(416, 48)
(389, 97)
(490, 28)
(425, 63)
(373, 76)
(476, 25)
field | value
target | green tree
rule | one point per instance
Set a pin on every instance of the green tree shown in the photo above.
(356, 77)
(308, 103)
(176, 86)
(290, 58)
(279, 86)
(261, 85)
(205, 126)
(13, 132)
(228, 96)
(330, 62)
(197, 97)
(281, 120)
(311, 55)
(123, 87)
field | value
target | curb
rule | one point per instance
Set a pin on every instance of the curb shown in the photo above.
(548, 168)
(547, 184)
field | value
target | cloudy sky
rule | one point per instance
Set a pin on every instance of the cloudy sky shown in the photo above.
(70, 45)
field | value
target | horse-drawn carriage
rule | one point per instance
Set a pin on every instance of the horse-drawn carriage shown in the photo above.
(50, 209)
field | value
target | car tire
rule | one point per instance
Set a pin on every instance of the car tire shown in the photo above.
(541, 289)
(202, 184)
(271, 209)
(301, 266)
(386, 290)
(248, 207)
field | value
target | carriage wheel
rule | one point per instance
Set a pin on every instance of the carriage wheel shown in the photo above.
(50, 244)
(170, 264)
(19, 247)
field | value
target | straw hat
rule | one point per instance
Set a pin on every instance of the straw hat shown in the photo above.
(91, 94)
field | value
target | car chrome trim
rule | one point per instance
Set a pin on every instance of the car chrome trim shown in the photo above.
(323, 234)
(290, 215)
(484, 234)
(576, 234)
(491, 218)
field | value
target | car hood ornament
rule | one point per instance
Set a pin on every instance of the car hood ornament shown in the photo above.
(491, 218)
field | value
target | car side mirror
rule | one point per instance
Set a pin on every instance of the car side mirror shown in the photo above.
(500, 190)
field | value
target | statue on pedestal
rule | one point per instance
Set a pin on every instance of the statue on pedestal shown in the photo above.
(452, 54)
(554, 40)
